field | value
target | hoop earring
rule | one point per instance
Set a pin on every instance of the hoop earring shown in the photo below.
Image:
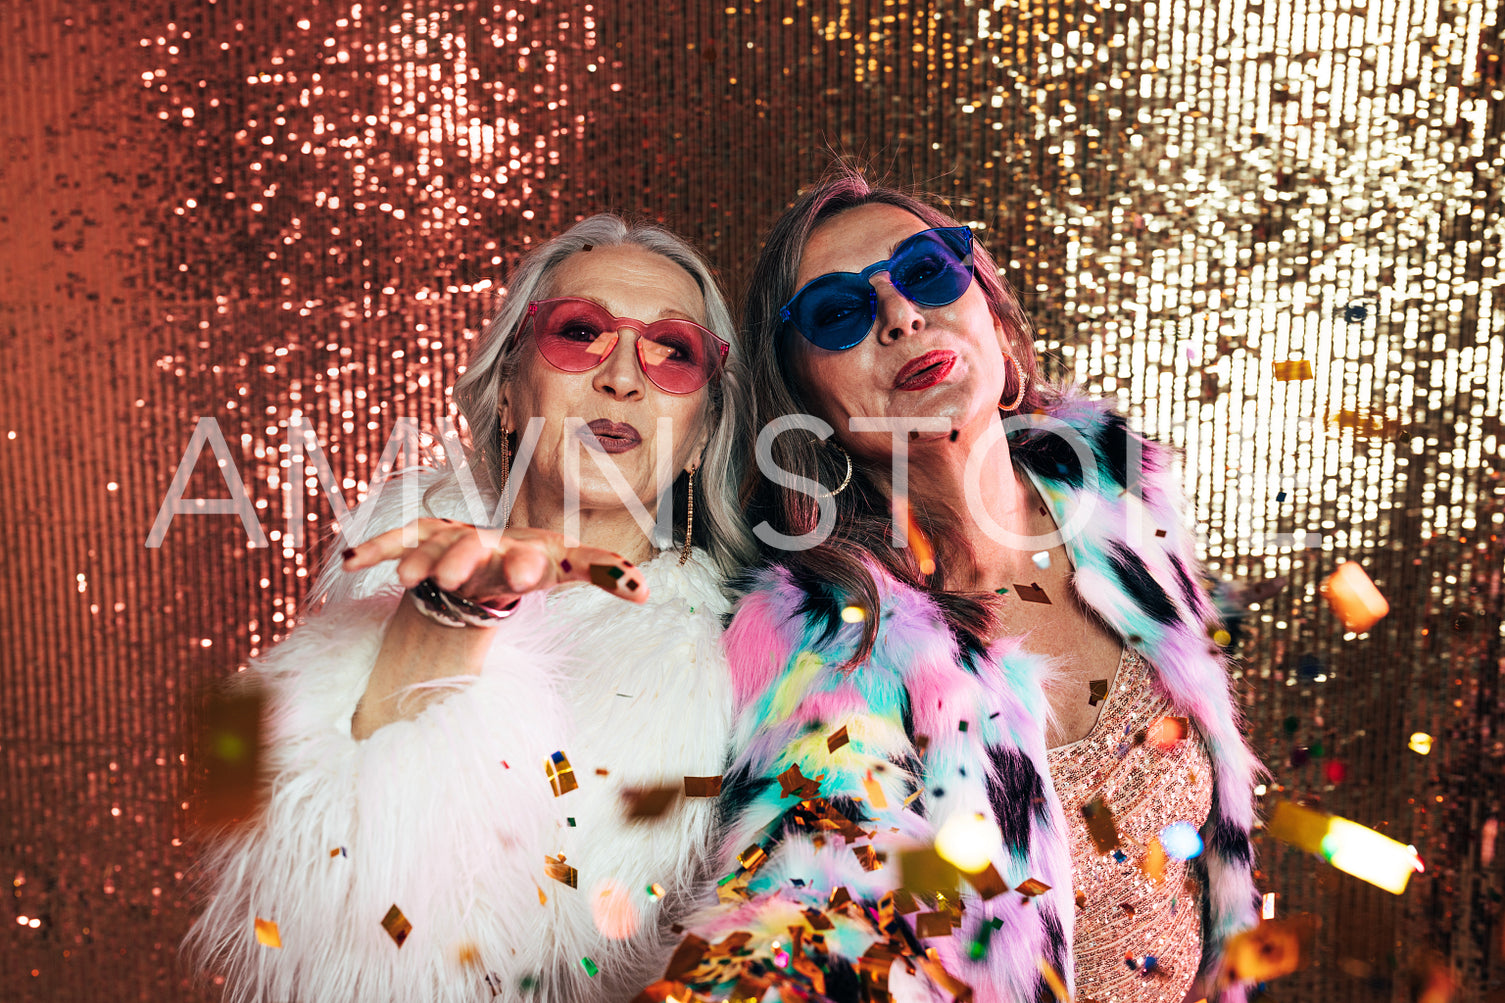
(845, 480)
(684, 553)
(1023, 386)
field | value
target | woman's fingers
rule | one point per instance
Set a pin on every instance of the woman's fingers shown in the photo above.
(488, 564)
(605, 570)
(394, 543)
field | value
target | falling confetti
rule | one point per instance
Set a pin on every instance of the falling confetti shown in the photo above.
(396, 925)
(1348, 846)
(702, 787)
(561, 774)
(837, 739)
(1296, 369)
(1032, 593)
(1354, 598)
(267, 933)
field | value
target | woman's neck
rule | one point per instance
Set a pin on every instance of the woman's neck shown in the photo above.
(1000, 516)
(612, 529)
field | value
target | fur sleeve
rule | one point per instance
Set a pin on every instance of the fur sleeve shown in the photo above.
(818, 828)
(443, 816)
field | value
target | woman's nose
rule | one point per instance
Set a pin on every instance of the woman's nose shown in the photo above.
(620, 375)
(897, 316)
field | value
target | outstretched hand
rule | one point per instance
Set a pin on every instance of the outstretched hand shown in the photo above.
(494, 566)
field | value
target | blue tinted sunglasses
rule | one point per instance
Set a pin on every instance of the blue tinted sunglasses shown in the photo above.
(836, 311)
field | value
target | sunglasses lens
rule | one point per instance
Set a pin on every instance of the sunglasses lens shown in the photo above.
(929, 270)
(573, 335)
(577, 335)
(834, 312)
(677, 356)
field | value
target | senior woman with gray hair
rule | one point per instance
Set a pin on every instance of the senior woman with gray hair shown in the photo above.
(461, 735)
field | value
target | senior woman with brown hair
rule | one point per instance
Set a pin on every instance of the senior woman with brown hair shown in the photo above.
(1034, 701)
(457, 735)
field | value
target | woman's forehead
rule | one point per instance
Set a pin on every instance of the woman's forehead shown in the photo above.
(630, 281)
(855, 239)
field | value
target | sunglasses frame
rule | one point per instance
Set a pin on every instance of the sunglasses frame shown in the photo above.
(963, 258)
(643, 331)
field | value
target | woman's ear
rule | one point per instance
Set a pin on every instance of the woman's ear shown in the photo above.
(504, 412)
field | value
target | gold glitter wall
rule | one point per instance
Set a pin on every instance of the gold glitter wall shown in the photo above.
(248, 210)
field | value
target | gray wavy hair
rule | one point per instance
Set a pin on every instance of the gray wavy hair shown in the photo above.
(720, 527)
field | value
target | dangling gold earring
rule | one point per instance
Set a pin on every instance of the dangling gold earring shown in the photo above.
(506, 457)
(684, 553)
(1023, 385)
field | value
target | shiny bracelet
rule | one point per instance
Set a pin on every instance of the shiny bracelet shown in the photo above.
(453, 610)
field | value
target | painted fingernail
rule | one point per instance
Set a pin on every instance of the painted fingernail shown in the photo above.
(349, 553)
(914, 434)
(955, 434)
(606, 576)
(565, 565)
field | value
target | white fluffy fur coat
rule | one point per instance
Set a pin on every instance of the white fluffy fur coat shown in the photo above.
(449, 815)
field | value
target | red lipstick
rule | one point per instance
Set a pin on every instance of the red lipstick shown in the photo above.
(925, 371)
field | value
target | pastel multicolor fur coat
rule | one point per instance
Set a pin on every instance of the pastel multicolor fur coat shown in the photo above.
(449, 815)
(939, 728)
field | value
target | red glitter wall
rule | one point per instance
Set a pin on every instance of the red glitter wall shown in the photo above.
(247, 211)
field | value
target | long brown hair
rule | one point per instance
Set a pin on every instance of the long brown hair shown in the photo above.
(840, 565)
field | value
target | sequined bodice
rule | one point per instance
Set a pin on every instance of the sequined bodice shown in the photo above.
(1125, 916)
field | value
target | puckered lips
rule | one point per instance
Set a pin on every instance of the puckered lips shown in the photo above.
(925, 371)
(611, 436)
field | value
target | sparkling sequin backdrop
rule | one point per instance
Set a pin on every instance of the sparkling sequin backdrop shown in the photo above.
(247, 211)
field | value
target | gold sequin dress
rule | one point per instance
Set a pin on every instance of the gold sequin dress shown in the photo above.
(1124, 917)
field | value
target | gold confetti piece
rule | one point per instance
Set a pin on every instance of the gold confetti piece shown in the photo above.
(396, 925)
(839, 897)
(1350, 847)
(853, 614)
(561, 774)
(959, 990)
(1274, 948)
(542, 898)
(1153, 864)
(1167, 731)
(702, 787)
(1032, 593)
(642, 803)
(837, 739)
(1420, 743)
(467, 956)
(1053, 979)
(267, 933)
(869, 858)
(752, 858)
(924, 553)
(687, 957)
(910, 800)
(230, 749)
(1097, 692)
(1100, 825)
(1353, 597)
(988, 883)
(655, 891)
(600, 772)
(817, 920)
(923, 871)
(560, 871)
(932, 924)
(1267, 906)
(1030, 888)
(1294, 369)
(875, 794)
(795, 784)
